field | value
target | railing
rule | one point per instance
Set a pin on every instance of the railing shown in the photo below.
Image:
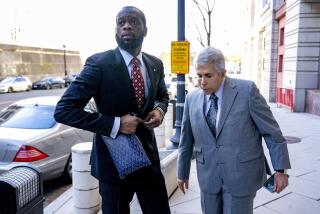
(285, 97)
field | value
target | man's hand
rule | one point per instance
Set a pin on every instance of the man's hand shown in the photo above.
(280, 182)
(153, 119)
(183, 184)
(129, 123)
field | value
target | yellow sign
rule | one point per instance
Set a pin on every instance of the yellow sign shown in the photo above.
(180, 57)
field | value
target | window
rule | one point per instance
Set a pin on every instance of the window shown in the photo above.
(281, 36)
(20, 79)
(28, 117)
(280, 63)
(7, 80)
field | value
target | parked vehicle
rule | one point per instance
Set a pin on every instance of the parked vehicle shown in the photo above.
(69, 79)
(49, 83)
(17, 83)
(172, 89)
(29, 135)
(172, 86)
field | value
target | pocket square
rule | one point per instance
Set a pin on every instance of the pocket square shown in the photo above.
(127, 153)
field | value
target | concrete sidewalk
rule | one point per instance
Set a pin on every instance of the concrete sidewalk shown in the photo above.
(302, 196)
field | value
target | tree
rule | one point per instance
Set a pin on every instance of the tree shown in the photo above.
(205, 10)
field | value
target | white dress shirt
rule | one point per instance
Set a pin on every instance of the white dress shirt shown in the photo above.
(127, 58)
(207, 103)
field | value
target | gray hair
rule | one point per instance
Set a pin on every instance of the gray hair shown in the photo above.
(211, 55)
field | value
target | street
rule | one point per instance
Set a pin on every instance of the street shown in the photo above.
(8, 98)
(53, 188)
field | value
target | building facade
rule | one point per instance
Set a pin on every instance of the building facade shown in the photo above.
(35, 62)
(282, 51)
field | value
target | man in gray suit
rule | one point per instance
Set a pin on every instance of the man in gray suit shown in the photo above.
(224, 121)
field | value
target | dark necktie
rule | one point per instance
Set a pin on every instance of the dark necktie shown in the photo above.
(212, 114)
(137, 82)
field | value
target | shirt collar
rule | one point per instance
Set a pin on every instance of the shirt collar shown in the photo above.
(219, 92)
(128, 57)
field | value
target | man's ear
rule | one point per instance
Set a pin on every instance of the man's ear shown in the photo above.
(224, 72)
(145, 31)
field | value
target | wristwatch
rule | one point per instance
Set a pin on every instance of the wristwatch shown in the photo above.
(161, 112)
(284, 171)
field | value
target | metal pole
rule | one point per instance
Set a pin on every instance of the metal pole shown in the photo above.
(180, 78)
(65, 60)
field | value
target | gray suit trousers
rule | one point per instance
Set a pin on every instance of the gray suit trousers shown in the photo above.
(225, 203)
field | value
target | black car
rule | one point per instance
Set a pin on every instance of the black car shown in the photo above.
(69, 79)
(49, 83)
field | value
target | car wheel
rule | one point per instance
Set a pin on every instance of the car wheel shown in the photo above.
(29, 88)
(47, 87)
(10, 90)
(67, 173)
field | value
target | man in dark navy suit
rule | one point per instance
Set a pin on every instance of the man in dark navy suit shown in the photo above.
(122, 81)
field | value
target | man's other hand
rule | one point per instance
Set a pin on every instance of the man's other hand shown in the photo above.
(153, 119)
(129, 123)
(183, 185)
(280, 182)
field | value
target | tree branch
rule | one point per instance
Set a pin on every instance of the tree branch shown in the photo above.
(199, 5)
(208, 8)
(207, 19)
(203, 17)
(214, 2)
(199, 37)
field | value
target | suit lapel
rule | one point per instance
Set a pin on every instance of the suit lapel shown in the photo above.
(229, 94)
(201, 111)
(120, 63)
(121, 72)
(151, 70)
(201, 108)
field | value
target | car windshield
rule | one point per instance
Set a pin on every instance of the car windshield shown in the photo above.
(28, 117)
(45, 79)
(7, 80)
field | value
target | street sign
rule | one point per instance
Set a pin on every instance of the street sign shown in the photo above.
(180, 53)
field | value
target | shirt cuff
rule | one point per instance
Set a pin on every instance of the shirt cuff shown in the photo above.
(115, 128)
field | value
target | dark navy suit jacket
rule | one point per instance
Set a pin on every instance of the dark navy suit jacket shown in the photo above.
(105, 77)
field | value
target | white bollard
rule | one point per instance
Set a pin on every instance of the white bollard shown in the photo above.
(86, 198)
(168, 121)
(159, 133)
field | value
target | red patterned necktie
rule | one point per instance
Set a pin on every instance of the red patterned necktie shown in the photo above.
(137, 82)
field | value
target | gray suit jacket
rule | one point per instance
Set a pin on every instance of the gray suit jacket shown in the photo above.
(236, 155)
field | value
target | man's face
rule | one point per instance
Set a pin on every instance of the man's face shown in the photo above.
(130, 30)
(209, 79)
